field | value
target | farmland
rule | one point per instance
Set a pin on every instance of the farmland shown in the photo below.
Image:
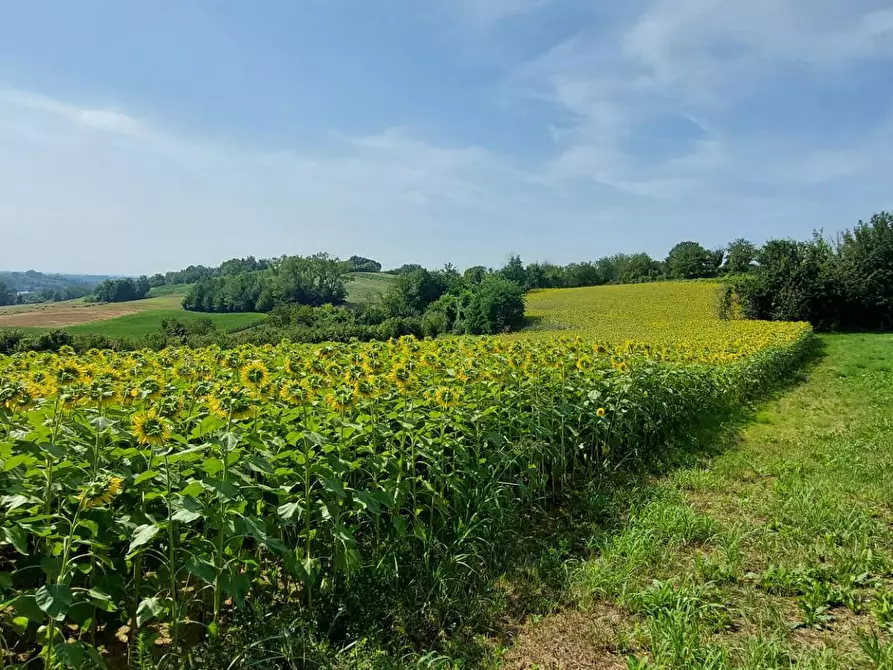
(300, 473)
(142, 317)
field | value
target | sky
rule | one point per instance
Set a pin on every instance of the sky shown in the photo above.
(138, 137)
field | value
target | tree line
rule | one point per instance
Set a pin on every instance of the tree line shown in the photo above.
(844, 284)
(306, 280)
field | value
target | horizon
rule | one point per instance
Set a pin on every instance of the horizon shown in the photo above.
(144, 139)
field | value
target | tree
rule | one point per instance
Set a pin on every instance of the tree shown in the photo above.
(122, 290)
(514, 270)
(475, 274)
(496, 306)
(7, 297)
(740, 257)
(689, 260)
(412, 292)
(865, 269)
(361, 264)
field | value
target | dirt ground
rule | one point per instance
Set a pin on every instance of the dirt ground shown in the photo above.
(63, 314)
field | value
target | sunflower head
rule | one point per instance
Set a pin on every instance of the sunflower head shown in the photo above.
(151, 428)
(340, 399)
(600, 412)
(101, 493)
(366, 387)
(295, 393)
(255, 375)
(230, 403)
(446, 397)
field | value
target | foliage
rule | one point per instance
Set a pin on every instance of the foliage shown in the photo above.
(145, 489)
(413, 291)
(36, 287)
(689, 260)
(361, 264)
(122, 290)
(496, 306)
(793, 281)
(311, 280)
(865, 268)
(406, 267)
(7, 297)
(740, 257)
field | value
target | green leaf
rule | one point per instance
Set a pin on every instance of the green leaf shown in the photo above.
(51, 566)
(187, 515)
(288, 510)
(54, 599)
(145, 476)
(16, 537)
(212, 466)
(20, 624)
(142, 535)
(26, 606)
(201, 568)
(147, 610)
(102, 600)
(17, 460)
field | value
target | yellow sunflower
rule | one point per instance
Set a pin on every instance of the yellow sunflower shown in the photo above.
(99, 496)
(255, 375)
(151, 428)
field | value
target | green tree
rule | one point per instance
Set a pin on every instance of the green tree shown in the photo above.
(475, 274)
(411, 292)
(740, 257)
(496, 306)
(865, 269)
(7, 297)
(689, 260)
(514, 270)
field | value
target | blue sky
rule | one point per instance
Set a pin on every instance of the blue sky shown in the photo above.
(146, 136)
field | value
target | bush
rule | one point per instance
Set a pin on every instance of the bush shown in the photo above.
(497, 306)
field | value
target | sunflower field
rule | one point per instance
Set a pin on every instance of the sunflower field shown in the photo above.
(148, 496)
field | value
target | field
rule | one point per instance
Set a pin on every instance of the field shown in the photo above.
(762, 543)
(124, 319)
(151, 496)
(141, 317)
(367, 286)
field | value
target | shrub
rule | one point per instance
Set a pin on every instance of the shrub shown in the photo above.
(497, 306)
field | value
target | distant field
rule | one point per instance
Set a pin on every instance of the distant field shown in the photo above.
(76, 312)
(123, 319)
(367, 286)
(172, 289)
(143, 323)
(139, 317)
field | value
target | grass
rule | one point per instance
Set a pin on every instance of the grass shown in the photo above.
(367, 286)
(169, 289)
(768, 546)
(143, 323)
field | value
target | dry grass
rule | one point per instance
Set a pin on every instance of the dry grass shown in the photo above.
(76, 312)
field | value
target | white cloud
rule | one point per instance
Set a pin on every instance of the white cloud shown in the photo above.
(93, 188)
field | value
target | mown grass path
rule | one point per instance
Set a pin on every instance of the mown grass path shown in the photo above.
(771, 546)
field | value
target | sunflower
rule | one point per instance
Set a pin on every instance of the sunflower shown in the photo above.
(446, 397)
(68, 372)
(151, 428)
(295, 393)
(600, 412)
(255, 375)
(230, 403)
(401, 376)
(100, 495)
(340, 399)
(366, 388)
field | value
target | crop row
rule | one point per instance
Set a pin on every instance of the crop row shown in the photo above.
(158, 492)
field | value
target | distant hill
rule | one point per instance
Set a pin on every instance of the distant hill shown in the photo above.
(33, 281)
